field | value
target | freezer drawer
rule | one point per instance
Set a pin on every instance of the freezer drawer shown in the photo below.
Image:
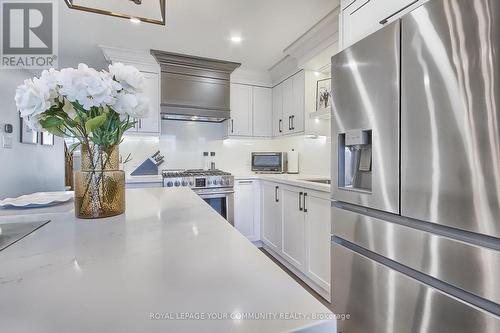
(450, 118)
(380, 300)
(466, 266)
(365, 121)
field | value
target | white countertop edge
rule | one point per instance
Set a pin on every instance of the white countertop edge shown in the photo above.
(143, 179)
(289, 179)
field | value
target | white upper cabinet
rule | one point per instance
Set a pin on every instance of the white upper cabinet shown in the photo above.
(360, 18)
(262, 112)
(147, 65)
(251, 111)
(278, 110)
(298, 83)
(289, 105)
(151, 124)
(241, 122)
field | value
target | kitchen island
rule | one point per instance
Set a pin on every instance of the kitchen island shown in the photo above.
(170, 264)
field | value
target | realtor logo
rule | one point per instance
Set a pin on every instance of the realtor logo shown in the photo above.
(29, 33)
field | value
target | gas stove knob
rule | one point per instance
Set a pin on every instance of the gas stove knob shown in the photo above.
(221, 182)
(227, 182)
(191, 183)
(184, 183)
(177, 184)
(170, 184)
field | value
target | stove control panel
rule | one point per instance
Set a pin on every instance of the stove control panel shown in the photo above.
(199, 182)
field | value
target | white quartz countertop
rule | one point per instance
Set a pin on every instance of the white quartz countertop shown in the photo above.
(290, 179)
(170, 257)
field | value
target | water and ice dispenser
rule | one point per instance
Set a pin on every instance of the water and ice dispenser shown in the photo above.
(355, 160)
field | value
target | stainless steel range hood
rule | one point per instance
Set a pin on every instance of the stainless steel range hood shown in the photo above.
(194, 88)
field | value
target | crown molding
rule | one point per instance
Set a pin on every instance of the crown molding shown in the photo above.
(321, 37)
(143, 60)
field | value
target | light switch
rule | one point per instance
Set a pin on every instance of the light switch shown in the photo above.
(7, 142)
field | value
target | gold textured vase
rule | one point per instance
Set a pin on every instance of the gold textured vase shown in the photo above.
(99, 185)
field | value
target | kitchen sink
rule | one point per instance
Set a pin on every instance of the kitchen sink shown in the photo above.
(319, 181)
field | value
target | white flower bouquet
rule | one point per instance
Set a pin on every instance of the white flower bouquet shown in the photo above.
(96, 108)
(93, 107)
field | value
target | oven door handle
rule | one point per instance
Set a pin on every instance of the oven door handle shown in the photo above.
(215, 195)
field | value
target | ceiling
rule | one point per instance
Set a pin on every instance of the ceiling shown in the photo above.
(196, 27)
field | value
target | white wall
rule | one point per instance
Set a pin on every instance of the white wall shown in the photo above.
(184, 142)
(25, 168)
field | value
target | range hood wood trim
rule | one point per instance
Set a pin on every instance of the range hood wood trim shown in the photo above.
(176, 59)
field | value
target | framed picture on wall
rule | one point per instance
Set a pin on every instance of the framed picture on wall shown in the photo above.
(323, 94)
(46, 139)
(28, 135)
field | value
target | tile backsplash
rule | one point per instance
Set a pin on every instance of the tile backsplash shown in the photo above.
(183, 144)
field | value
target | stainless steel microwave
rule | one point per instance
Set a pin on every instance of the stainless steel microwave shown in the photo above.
(269, 162)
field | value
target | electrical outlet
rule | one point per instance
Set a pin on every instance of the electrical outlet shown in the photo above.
(7, 142)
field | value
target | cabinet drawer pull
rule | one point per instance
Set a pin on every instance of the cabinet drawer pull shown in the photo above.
(300, 201)
(384, 21)
(276, 198)
(305, 200)
(245, 182)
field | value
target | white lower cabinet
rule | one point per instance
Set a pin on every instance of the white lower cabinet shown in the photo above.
(294, 246)
(318, 238)
(246, 203)
(271, 215)
(296, 227)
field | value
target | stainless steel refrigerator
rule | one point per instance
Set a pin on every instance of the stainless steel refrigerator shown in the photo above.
(416, 173)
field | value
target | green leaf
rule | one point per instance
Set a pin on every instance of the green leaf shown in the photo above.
(74, 146)
(94, 123)
(50, 122)
(57, 131)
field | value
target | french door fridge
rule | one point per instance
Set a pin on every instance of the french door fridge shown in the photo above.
(416, 168)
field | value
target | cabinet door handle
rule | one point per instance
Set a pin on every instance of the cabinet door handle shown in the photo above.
(289, 123)
(293, 121)
(280, 124)
(384, 21)
(140, 123)
(305, 200)
(300, 201)
(232, 126)
(276, 198)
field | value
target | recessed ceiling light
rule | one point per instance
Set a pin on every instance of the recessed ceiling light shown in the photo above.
(236, 39)
(135, 20)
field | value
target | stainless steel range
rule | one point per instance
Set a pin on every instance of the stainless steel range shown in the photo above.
(216, 187)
